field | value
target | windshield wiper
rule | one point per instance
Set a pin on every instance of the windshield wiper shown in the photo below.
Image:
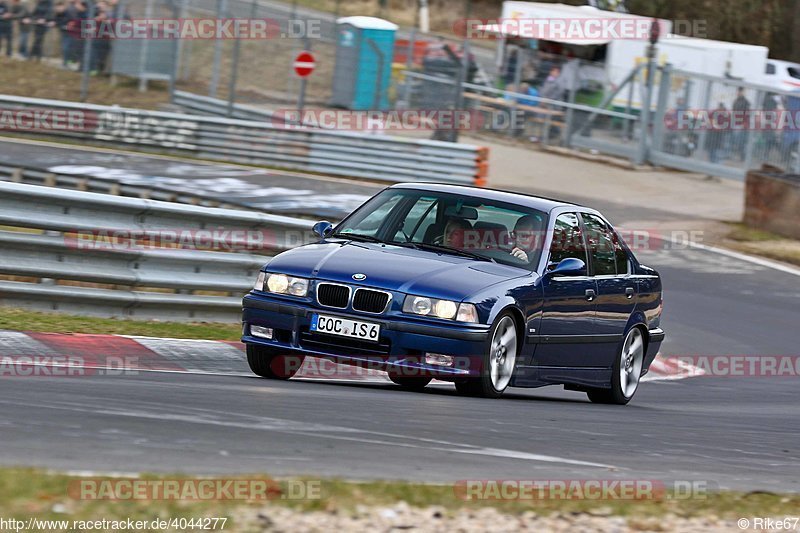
(358, 237)
(443, 248)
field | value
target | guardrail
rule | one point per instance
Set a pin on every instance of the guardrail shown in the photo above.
(215, 107)
(374, 157)
(105, 255)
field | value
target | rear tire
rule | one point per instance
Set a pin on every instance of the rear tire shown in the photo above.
(268, 363)
(625, 373)
(410, 383)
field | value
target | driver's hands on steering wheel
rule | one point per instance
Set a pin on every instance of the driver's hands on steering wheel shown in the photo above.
(519, 254)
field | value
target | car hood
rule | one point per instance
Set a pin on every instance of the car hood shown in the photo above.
(394, 268)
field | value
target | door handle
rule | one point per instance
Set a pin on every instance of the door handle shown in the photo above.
(629, 292)
(590, 294)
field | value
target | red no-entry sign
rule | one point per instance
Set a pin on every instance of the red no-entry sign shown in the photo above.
(304, 64)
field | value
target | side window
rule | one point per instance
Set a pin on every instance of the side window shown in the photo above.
(621, 255)
(567, 240)
(600, 238)
(421, 216)
(770, 68)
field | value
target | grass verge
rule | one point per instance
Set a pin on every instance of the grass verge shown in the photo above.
(46, 80)
(765, 244)
(25, 320)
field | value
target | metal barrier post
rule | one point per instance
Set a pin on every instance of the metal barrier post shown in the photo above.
(376, 99)
(212, 89)
(701, 137)
(661, 106)
(751, 135)
(641, 154)
(570, 117)
(178, 50)
(406, 101)
(87, 58)
(237, 46)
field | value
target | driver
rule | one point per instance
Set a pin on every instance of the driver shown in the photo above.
(455, 231)
(524, 237)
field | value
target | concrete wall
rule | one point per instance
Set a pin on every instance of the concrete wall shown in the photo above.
(772, 202)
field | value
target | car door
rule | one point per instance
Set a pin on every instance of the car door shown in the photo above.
(609, 265)
(568, 309)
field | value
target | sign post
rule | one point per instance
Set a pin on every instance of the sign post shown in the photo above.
(304, 65)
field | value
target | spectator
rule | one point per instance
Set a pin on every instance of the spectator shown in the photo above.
(552, 88)
(741, 106)
(717, 137)
(22, 15)
(117, 11)
(770, 136)
(525, 95)
(42, 19)
(6, 28)
(63, 14)
(102, 45)
(569, 80)
(81, 13)
(510, 72)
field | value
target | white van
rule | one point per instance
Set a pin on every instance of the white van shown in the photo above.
(782, 75)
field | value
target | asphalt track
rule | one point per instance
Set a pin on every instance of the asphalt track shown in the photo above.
(268, 190)
(740, 433)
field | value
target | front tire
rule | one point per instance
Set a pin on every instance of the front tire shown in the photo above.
(267, 363)
(626, 372)
(499, 360)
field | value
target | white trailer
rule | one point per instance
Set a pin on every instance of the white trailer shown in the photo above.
(721, 59)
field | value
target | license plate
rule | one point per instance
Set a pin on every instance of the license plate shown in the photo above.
(344, 327)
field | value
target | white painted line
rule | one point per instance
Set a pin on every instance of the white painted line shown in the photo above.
(737, 255)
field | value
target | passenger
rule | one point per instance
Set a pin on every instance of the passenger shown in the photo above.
(455, 232)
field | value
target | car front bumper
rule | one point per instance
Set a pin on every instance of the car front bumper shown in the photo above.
(402, 346)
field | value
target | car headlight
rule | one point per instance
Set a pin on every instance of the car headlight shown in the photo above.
(447, 309)
(282, 284)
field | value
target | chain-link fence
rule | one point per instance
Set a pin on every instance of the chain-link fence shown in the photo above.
(725, 126)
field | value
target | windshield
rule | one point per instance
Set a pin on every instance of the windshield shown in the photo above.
(450, 224)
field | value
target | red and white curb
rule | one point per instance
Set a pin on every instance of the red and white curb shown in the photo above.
(120, 354)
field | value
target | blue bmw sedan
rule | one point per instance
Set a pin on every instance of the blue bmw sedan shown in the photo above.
(483, 288)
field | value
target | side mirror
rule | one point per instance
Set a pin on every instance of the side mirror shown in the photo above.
(323, 228)
(570, 266)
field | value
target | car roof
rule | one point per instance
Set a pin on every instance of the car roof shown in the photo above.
(526, 200)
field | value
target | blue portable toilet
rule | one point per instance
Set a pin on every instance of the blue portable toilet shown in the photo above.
(364, 51)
